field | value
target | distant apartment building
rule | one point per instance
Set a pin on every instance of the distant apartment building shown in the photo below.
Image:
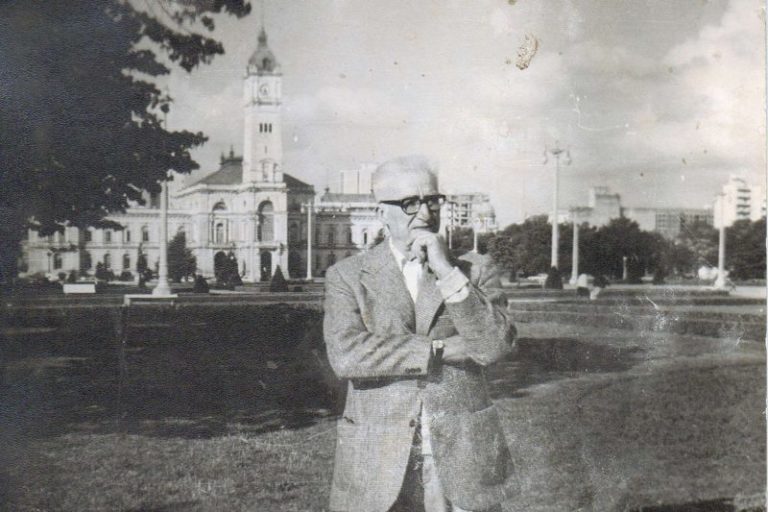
(669, 222)
(472, 210)
(739, 201)
(605, 205)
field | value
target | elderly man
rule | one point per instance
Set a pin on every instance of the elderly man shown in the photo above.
(412, 330)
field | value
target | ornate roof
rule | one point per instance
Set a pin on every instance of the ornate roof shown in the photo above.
(263, 60)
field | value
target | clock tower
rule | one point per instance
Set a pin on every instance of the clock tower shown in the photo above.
(262, 147)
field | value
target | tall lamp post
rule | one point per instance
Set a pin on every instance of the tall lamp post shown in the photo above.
(720, 280)
(557, 152)
(163, 288)
(575, 212)
(309, 240)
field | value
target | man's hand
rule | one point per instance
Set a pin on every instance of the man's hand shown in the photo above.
(431, 247)
(455, 351)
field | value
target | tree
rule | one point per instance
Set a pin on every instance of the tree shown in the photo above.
(463, 241)
(80, 115)
(701, 241)
(181, 262)
(609, 245)
(523, 247)
(278, 282)
(745, 249)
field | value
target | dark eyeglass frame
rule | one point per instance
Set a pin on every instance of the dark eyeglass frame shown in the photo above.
(412, 204)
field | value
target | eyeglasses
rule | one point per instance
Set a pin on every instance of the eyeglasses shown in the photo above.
(411, 205)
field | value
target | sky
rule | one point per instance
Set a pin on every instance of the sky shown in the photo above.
(659, 100)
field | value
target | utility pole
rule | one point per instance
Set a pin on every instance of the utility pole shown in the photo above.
(556, 152)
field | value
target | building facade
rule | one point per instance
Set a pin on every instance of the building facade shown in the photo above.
(739, 201)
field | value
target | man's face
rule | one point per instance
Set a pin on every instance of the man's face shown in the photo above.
(404, 227)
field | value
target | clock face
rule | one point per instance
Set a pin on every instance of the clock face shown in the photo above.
(263, 90)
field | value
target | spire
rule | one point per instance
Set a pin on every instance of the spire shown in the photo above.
(263, 60)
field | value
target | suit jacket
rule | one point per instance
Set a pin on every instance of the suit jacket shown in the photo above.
(380, 341)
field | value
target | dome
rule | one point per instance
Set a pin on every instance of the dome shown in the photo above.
(263, 60)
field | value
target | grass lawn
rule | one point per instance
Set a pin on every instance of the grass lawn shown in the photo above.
(596, 419)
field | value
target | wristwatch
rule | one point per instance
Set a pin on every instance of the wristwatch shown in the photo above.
(437, 349)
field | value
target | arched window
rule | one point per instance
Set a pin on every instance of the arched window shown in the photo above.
(266, 222)
(221, 205)
(107, 261)
(108, 236)
(144, 234)
(126, 261)
(365, 238)
(87, 261)
(57, 263)
(218, 236)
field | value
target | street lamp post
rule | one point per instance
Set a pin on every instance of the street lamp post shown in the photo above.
(720, 280)
(309, 240)
(556, 152)
(575, 250)
(163, 288)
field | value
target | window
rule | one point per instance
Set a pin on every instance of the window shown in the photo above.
(144, 234)
(218, 236)
(293, 233)
(365, 238)
(331, 259)
(331, 236)
(87, 261)
(126, 261)
(88, 236)
(349, 235)
(57, 264)
(127, 236)
(266, 231)
(107, 261)
(108, 236)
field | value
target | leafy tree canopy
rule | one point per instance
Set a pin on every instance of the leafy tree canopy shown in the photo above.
(81, 131)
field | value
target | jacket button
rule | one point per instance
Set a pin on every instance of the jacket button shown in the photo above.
(412, 423)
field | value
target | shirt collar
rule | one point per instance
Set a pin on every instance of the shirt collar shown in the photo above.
(400, 258)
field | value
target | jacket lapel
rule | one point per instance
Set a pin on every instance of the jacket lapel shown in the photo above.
(428, 303)
(382, 278)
